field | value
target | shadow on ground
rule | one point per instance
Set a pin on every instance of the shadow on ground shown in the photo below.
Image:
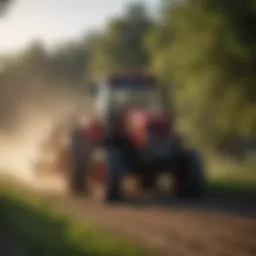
(223, 200)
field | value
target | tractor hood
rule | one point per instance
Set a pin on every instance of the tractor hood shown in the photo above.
(143, 123)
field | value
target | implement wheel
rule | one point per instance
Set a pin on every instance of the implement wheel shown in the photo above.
(77, 174)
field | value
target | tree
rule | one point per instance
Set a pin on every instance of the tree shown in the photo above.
(69, 62)
(120, 46)
(4, 4)
(36, 77)
(207, 48)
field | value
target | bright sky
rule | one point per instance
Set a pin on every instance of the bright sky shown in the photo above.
(55, 20)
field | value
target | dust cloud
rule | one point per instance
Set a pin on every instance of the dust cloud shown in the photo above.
(24, 127)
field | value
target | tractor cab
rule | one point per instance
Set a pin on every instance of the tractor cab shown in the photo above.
(119, 93)
(131, 104)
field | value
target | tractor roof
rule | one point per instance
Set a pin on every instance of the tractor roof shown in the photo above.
(136, 78)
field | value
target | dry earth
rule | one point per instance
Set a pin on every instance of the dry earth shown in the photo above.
(223, 224)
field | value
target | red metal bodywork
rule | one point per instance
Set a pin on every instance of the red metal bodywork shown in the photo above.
(137, 124)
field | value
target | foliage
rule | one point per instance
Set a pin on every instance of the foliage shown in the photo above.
(32, 76)
(4, 4)
(207, 49)
(120, 46)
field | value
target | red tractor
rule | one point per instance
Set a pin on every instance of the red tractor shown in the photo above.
(130, 133)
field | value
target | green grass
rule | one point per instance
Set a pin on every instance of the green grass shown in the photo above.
(41, 230)
(234, 185)
(232, 176)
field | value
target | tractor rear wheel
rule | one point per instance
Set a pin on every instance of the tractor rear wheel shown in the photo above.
(189, 179)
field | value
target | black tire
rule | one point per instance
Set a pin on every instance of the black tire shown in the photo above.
(198, 178)
(189, 168)
(114, 168)
(78, 168)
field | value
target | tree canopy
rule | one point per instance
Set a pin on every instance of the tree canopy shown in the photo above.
(120, 46)
(203, 51)
(207, 48)
(4, 4)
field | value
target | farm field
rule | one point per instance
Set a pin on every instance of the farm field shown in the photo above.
(221, 224)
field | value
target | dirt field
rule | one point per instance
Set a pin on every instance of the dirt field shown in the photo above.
(219, 225)
(223, 224)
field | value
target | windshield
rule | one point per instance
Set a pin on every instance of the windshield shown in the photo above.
(136, 96)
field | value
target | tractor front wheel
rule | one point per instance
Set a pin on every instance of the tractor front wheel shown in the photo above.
(106, 174)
